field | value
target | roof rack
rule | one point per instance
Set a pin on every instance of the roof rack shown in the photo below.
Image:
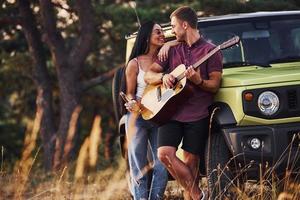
(166, 26)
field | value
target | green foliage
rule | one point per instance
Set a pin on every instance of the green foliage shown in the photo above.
(17, 97)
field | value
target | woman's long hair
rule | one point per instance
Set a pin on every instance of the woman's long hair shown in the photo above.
(141, 44)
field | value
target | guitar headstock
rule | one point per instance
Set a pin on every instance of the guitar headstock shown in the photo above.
(230, 42)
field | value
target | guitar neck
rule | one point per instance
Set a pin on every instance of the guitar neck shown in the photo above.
(207, 56)
(199, 62)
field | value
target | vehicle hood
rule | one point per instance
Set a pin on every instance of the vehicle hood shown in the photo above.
(254, 75)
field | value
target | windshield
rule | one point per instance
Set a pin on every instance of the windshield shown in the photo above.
(263, 41)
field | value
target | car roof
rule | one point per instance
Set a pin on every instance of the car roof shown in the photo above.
(249, 15)
(237, 16)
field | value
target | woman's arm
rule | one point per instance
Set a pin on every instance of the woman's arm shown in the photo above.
(164, 50)
(131, 83)
(131, 78)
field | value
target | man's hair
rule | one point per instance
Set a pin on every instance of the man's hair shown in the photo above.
(187, 14)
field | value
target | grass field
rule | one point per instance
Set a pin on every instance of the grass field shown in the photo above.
(83, 180)
(108, 184)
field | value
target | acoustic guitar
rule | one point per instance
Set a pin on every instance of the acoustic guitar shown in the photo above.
(160, 103)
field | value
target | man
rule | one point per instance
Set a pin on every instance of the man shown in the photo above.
(190, 123)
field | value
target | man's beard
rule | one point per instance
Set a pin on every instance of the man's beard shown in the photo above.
(180, 39)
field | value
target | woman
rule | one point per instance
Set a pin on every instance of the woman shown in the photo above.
(141, 134)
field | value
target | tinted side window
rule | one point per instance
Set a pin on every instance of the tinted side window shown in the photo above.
(295, 36)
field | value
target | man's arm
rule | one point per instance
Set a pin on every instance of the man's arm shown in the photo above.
(154, 75)
(212, 84)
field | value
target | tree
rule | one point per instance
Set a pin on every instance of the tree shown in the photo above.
(58, 51)
(69, 63)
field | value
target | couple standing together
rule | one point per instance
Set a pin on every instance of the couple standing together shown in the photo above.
(190, 122)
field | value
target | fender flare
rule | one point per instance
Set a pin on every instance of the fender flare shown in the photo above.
(223, 116)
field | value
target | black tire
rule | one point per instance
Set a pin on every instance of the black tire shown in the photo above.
(116, 88)
(119, 112)
(218, 168)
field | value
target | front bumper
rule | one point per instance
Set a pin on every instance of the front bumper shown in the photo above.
(280, 144)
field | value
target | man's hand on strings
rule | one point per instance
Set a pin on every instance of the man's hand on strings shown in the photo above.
(193, 75)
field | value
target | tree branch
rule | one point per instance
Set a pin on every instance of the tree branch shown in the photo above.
(10, 20)
(97, 80)
(87, 29)
(33, 38)
(53, 36)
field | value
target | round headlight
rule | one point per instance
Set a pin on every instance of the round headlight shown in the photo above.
(255, 143)
(268, 103)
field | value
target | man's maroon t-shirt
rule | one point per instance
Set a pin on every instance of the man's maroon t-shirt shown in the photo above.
(195, 107)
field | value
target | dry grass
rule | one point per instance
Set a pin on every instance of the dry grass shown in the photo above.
(111, 184)
(28, 181)
(107, 184)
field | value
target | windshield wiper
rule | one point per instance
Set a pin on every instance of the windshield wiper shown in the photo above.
(286, 59)
(246, 63)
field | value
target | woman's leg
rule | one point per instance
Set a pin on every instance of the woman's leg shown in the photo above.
(137, 157)
(160, 174)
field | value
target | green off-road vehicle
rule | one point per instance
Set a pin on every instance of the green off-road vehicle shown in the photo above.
(256, 115)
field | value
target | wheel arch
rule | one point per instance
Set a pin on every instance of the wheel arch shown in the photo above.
(223, 115)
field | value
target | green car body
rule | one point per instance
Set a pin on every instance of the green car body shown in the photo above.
(237, 80)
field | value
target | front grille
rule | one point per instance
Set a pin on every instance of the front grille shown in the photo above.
(292, 99)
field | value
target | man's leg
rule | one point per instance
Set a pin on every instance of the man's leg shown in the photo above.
(169, 137)
(179, 170)
(194, 140)
(192, 162)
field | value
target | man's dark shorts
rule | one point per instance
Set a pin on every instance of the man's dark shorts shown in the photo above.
(194, 135)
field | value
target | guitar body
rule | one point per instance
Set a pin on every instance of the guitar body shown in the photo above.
(160, 103)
